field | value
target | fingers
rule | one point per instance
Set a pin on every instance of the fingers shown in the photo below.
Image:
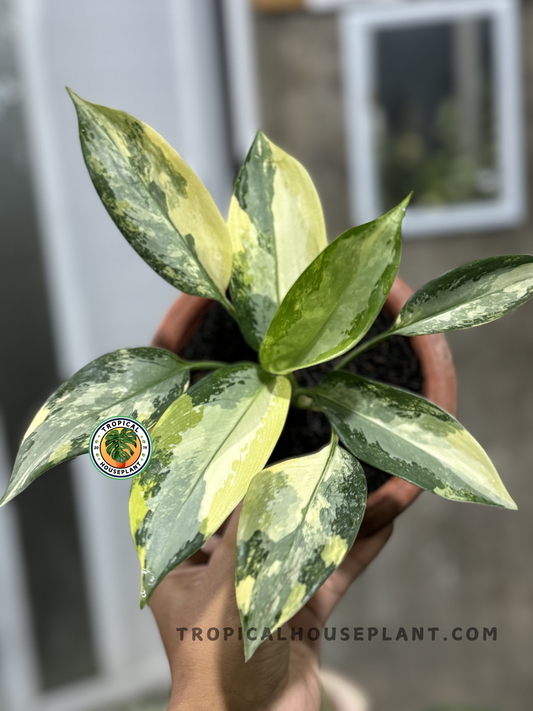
(388, 502)
(202, 556)
(363, 552)
(225, 550)
(210, 545)
(184, 577)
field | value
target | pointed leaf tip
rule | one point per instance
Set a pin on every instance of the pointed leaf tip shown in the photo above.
(400, 210)
(408, 436)
(277, 229)
(77, 100)
(471, 295)
(133, 382)
(156, 200)
(331, 306)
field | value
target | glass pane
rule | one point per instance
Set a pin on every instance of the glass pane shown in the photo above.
(435, 114)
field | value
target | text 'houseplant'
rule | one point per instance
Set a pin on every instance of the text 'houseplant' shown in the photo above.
(299, 302)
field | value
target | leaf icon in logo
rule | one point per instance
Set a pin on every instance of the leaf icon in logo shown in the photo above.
(120, 444)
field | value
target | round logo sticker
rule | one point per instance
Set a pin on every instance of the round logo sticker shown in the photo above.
(120, 448)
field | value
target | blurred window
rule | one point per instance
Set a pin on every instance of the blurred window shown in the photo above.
(433, 105)
(435, 108)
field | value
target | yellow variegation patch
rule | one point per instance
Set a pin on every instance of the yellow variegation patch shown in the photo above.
(334, 551)
(158, 203)
(336, 300)
(243, 592)
(207, 447)
(277, 228)
(39, 418)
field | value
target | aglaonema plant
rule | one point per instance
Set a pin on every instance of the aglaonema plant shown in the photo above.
(299, 302)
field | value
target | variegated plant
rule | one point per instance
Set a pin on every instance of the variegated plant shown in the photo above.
(298, 302)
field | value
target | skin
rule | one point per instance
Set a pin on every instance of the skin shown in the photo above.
(282, 675)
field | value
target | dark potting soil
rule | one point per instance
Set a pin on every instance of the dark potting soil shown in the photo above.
(392, 361)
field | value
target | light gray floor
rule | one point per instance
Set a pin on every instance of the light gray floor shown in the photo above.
(448, 564)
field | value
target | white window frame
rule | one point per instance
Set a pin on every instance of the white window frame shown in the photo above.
(241, 63)
(358, 26)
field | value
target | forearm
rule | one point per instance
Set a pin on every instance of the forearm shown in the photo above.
(219, 680)
(255, 686)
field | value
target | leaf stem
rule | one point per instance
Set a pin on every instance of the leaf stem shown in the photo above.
(229, 308)
(362, 349)
(294, 382)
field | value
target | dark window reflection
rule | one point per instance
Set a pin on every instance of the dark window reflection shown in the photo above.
(435, 114)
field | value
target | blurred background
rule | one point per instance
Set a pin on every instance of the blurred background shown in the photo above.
(375, 99)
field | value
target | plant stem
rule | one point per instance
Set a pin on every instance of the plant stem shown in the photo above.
(361, 349)
(294, 382)
(297, 391)
(229, 308)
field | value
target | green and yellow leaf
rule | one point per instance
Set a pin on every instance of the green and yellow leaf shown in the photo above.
(133, 382)
(206, 448)
(410, 437)
(474, 294)
(338, 297)
(277, 228)
(158, 203)
(299, 520)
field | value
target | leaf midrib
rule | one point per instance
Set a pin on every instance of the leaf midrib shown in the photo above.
(206, 467)
(380, 426)
(437, 314)
(80, 419)
(297, 532)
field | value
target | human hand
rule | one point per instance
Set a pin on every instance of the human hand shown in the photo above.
(283, 674)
